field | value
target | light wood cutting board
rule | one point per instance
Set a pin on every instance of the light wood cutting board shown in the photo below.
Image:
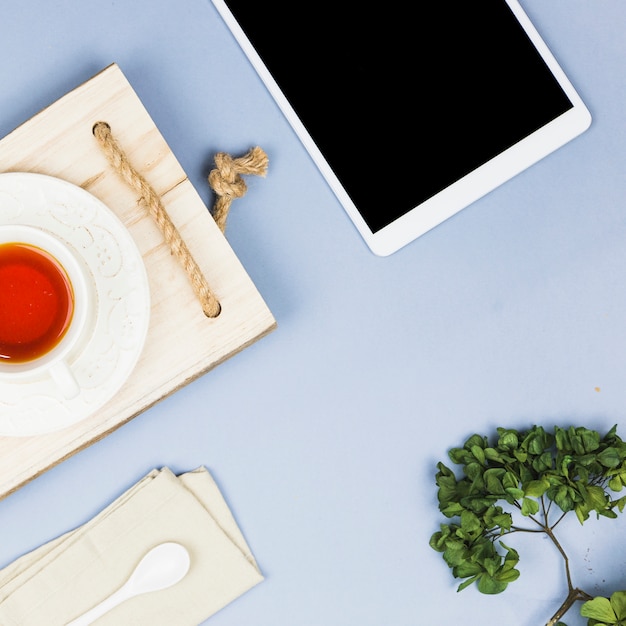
(182, 343)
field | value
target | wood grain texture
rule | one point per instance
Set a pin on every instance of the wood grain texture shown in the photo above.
(182, 343)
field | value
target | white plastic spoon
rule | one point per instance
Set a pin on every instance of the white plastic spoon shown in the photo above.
(162, 567)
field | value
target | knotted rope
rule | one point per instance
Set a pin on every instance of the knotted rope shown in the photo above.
(226, 182)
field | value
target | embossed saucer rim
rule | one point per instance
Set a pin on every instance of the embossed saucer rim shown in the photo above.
(110, 254)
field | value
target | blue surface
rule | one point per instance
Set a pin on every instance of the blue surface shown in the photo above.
(324, 435)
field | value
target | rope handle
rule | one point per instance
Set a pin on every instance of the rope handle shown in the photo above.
(225, 180)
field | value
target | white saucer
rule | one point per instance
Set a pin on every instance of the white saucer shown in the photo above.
(110, 352)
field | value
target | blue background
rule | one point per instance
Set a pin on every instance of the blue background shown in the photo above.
(324, 435)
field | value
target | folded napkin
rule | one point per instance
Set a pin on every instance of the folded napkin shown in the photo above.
(64, 578)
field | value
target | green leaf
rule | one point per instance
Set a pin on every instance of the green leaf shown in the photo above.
(438, 540)
(444, 470)
(562, 439)
(475, 440)
(529, 506)
(503, 520)
(596, 498)
(458, 455)
(508, 439)
(563, 498)
(447, 483)
(478, 504)
(590, 439)
(599, 608)
(610, 457)
(618, 604)
(467, 583)
(493, 480)
(467, 568)
(470, 522)
(616, 483)
(478, 453)
(507, 576)
(582, 513)
(512, 557)
(491, 586)
(451, 510)
(474, 470)
(577, 442)
(510, 481)
(536, 488)
(608, 513)
(491, 454)
(543, 462)
(492, 565)
(589, 461)
(612, 434)
(620, 503)
(483, 549)
(454, 553)
(565, 463)
(514, 492)
(520, 455)
(537, 441)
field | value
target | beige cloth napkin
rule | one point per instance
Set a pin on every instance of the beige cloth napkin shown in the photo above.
(62, 579)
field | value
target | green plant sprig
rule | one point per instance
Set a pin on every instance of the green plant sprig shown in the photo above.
(527, 481)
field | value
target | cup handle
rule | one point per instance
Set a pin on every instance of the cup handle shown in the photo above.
(65, 380)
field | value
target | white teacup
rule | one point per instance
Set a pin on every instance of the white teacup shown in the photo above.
(45, 304)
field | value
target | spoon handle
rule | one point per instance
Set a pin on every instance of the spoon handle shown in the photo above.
(100, 609)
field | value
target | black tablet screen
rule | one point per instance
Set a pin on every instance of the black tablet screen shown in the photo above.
(403, 101)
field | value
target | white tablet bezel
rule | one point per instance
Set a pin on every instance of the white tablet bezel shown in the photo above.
(464, 191)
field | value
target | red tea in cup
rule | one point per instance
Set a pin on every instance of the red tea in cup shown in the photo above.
(36, 302)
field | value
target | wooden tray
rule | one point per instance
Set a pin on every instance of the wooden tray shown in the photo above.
(182, 343)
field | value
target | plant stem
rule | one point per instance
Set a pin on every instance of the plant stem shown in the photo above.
(573, 596)
(559, 547)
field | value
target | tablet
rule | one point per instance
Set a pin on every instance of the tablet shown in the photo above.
(410, 115)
